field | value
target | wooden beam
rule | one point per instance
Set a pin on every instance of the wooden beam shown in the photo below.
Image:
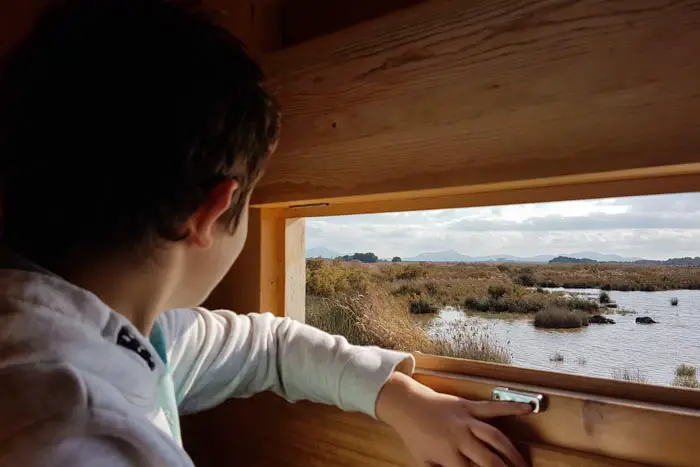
(295, 269)
(313, 435)
(623, 429)
(303, 20)
(256, 282)
(452, 94)
(663, 180)
(270, 273)
(257, 23)
(600, 387)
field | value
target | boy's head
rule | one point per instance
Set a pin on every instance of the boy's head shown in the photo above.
(131, 127)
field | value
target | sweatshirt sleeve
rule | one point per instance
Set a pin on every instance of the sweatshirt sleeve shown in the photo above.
(215, 355)
(82, 452)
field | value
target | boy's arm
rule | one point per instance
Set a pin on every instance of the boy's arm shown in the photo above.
(215, 355)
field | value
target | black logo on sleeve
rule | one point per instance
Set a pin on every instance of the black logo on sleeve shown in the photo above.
(126, 339)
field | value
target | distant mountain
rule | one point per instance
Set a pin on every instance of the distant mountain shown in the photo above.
(452, 256)
(570, 260)
(322, 252)
(687, 261)
(446, 256)
(601, 257)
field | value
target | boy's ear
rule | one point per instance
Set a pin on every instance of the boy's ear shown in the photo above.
(201, 226)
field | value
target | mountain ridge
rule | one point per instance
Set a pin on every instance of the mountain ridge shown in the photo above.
(453, 256)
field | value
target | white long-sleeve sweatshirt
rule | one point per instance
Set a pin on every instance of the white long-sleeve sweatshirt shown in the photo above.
(79, 385)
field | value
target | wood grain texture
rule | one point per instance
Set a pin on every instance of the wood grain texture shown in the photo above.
(295, 269)
(452, 93)
(265, 431)
(641, 393)
(619, 428)
(641, 182)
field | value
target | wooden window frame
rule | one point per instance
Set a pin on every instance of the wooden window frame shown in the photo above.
(589, 421)
(605, 422)
(453, 104)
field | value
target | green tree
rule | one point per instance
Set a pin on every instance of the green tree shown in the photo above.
(396, 259)
(362, 257)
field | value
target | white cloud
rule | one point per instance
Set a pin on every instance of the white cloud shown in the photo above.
(652, 226)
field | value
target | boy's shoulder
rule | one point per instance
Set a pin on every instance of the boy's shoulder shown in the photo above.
(64, 375)
(51, 411)
(41, 396)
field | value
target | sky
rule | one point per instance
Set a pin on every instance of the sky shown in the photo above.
(652, 227)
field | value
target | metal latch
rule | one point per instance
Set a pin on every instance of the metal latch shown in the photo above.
(537, 401)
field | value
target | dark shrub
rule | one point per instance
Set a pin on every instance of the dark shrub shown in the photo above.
(560, 318)
(497, 291)
(527, 280)
(421, 306)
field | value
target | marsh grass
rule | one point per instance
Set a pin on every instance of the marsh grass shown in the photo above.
(378, 318)
(461, 340)
(371, 304)
(686, 377)
(688, 371)
(633, 375)
(557, 357)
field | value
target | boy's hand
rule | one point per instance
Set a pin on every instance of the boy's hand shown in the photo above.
(444, 430)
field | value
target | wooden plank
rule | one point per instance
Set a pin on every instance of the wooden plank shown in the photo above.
(265, 430)
(257, 23)
(624, 429)
(642, 393)
(256, 282)
(664, 180)
(299, 25)
(295, 269)
(270, 273)
(452, 93)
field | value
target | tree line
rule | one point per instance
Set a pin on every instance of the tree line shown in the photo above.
(366, 258)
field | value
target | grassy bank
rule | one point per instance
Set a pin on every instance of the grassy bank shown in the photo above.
(351, 300)
(686, 377)
(377, 318)
(374, 304)
(492, 288)
(426, 288)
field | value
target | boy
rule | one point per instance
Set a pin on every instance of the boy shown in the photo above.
(132, 133)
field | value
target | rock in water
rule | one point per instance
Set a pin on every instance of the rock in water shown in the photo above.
(645, 320)
(599, 319)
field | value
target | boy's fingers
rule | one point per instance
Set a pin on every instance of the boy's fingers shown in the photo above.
(491, 409)
(498, 441)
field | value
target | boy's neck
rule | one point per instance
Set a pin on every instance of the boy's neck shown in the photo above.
(137, 289)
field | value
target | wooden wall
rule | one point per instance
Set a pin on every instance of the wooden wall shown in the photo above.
(452, 94)
(483, 100)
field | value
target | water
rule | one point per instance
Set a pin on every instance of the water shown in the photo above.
(655, 349)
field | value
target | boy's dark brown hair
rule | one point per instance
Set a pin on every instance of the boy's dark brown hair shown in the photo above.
(116, 119)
